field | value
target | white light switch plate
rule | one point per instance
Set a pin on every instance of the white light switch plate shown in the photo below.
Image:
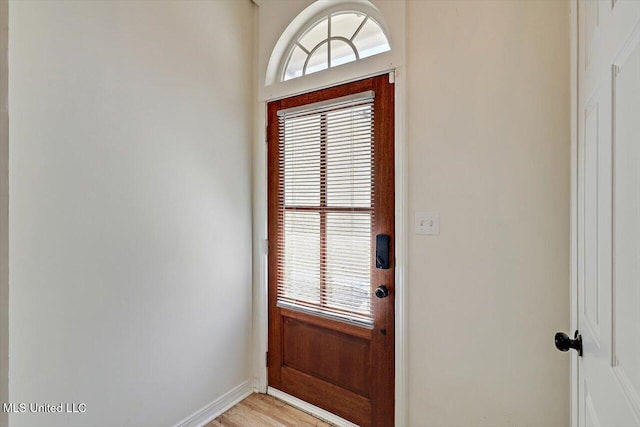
(427, 223)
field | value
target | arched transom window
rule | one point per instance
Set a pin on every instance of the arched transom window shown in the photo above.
(335, 39)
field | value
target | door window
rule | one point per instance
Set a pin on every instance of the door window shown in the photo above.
(325, 207)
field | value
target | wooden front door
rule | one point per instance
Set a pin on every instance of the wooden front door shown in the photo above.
(331, 256)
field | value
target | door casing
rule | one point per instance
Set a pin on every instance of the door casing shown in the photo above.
(397, 75)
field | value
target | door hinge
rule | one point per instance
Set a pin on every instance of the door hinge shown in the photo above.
(266, 134)
(266, 246)
(266, 358)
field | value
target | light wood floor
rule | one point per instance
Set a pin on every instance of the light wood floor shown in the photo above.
(260, 410)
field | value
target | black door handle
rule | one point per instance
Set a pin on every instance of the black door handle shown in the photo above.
(564, 343)
(382, 291)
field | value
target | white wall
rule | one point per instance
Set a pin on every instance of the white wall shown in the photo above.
(4, 214)
(488, 138)
(130, 212)
(489, 149)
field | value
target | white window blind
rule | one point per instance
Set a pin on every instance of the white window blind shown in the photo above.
(325, 208)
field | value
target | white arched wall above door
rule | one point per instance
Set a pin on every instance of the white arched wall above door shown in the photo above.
(280, 21)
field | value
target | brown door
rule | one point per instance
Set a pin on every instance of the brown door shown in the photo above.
(331, 207)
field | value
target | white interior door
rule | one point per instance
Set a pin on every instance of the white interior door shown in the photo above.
(608, 212)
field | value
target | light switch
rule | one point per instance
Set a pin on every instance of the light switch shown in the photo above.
(427, 223)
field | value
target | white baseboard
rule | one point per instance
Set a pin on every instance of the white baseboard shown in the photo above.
(311, 409)
(218, 406)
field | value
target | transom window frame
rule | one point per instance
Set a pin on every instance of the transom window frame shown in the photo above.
(370, 13)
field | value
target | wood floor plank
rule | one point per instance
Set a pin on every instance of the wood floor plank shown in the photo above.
(260, 410)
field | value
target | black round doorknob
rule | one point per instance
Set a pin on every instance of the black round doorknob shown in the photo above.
(564, 343)
(382, 291)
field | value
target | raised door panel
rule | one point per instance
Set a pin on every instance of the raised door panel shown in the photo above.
(589, 225)
(339, 358)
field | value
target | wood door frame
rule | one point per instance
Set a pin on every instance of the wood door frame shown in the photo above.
(401, 247)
